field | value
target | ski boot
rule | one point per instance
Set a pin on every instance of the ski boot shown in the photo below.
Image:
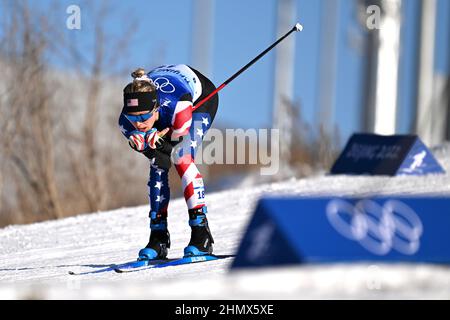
(201, 239)
(159, 243)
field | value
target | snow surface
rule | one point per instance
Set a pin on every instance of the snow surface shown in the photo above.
(35, 259)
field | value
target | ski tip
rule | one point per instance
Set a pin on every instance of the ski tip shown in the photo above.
(224, 256)
(71, 273)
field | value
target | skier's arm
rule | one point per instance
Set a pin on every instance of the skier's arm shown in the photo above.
(136, 138)
(140, 140)
(126, 127)
(160, 156)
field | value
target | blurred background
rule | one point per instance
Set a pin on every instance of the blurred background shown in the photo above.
(379, 66)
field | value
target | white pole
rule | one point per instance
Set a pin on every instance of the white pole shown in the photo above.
(425, 112)
(284, 82)
(202, 45)
(202, 35)
(328, 63)
(387, 69)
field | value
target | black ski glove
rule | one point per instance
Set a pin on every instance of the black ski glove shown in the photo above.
(164, 146)
(158, 158)
(161, 160)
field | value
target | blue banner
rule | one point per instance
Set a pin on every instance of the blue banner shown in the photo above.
(373, 154)
(328, 230)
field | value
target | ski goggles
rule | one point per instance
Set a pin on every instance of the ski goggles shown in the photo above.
(141, 117)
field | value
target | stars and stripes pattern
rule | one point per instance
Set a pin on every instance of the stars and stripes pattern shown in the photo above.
(176, 113)
(181, 119)
(158, 189)
(192, 180)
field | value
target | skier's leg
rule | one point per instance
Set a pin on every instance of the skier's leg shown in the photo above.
(193, 186)
(159, 196)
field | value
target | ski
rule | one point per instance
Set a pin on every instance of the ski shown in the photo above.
(140, 264)
(136, 265)
(173, 262)
(73, 273)
(125, 266)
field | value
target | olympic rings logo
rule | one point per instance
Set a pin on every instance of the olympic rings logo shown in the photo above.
(163, 84)
(379, 229)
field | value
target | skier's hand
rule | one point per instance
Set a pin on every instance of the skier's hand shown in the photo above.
(165, 147)
(153, 146)
(153, 137)
(136, 140)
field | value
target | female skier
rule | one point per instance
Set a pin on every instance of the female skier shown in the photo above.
(157, 118)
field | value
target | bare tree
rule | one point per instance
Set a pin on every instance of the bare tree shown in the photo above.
(27, 137)
(61, 152)
(87, 160)
(56, 170)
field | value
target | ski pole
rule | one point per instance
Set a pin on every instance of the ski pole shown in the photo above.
(297, 27)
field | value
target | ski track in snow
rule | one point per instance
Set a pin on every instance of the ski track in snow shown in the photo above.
(35, 259)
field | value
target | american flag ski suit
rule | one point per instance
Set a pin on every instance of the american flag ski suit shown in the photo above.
(178, 87)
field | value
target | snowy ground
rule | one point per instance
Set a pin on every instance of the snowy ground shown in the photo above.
(35, 259)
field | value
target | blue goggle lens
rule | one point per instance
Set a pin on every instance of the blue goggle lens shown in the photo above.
(140, 118)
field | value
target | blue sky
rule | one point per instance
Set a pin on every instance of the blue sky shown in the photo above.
(242, 29)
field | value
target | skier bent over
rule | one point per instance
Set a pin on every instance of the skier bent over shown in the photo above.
(157, 118)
